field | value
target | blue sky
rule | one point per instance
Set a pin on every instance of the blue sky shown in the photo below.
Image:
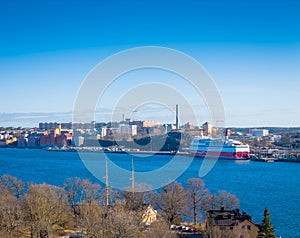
(251, 49)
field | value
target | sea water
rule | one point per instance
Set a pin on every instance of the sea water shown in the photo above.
(257, 185)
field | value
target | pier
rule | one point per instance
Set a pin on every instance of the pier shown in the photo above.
(275, 155)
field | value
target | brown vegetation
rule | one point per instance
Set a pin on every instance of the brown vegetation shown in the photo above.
(42, 210)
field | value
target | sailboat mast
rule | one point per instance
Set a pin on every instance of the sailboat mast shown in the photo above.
(132, 174)
(106, 182)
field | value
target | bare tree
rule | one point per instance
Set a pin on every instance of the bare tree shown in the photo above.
(222, 199)
(172, 202)
(159, 229)
(80, 191)
(228, 200)
(123, 222)
(44, 207)
(136, 198)
(197, 196)
(14, 185)
(92, 218)
(109, 196)
(10, 213)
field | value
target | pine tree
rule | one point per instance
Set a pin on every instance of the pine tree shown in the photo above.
(266, 229)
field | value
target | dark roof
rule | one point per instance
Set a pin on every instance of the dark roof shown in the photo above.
(224, 217)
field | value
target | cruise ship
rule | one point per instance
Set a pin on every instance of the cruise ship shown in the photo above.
(222, 148)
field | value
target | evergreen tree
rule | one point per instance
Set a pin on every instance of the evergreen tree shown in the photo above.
(266, 229)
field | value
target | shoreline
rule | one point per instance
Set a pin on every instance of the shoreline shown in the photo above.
(178, 153)
(99, 149)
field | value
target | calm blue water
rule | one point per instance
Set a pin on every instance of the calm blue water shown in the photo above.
(257, 185)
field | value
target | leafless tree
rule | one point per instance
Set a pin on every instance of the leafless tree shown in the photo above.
(14, 185)
(136, 198)
(10, 213)
(197, 196)
(123, 222)
(80, 191)
(109, 195)
(172, 202)
(222, 199)
(44, 207)
(92, 219)
(159, 229)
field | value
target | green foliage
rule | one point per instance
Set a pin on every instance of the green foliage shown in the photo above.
(266, 229)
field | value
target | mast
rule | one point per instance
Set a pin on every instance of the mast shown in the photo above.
(132, 175)
(106, 182)
(176, 118)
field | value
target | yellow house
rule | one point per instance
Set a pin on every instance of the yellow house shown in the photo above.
(230, 224)
(149, 215)
(11, 140)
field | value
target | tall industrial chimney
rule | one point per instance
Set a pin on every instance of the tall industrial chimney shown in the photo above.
(177, 126)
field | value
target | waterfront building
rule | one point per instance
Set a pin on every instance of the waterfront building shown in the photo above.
(22, 142)
(100, 125)
(78, 140)
(112, 131)
(47, 125)
(230, 223)
(188, 127)
(2, 143)
(260, 132)
(207, 128)
(156, 130)
(55, 138)
(103, 132)
(34, 140)
(66, 125)
(113, 124)
(168, 128)
(277, 138)
(130, 130)
(139, 125)
(150, 123)
(43, 126)
(11, 140)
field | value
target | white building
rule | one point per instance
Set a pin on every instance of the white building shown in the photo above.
(78, 140)
(260, 132)
(103, 131)
(168, 128)
(128, 130)
(277, 138)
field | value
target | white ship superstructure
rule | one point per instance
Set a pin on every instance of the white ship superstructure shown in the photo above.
(222, 148)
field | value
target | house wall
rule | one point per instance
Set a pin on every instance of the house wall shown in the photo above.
(245, 229)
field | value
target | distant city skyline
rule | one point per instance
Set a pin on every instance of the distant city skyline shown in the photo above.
(251, 50)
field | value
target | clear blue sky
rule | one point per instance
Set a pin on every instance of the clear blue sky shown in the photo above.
(251, 48)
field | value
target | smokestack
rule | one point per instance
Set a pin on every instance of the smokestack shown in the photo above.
(177, 126)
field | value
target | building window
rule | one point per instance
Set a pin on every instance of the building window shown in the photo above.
(231, 228)
(249, 227)
(222, 228)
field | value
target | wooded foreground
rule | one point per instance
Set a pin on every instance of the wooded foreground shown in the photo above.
(43, 210)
